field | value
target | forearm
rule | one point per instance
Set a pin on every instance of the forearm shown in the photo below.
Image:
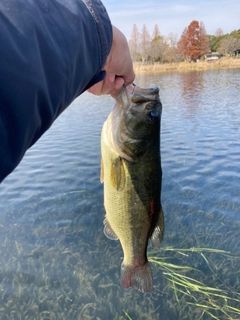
(49, 54)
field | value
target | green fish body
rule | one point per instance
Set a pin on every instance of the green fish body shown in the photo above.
(131, 172)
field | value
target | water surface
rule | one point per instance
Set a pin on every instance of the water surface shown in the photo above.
(56, 262)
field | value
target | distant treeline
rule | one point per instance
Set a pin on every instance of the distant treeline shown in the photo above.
(193, 44)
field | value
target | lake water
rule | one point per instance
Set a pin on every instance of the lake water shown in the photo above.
(56, 263)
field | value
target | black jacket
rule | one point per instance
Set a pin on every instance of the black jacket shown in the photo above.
(50, 52)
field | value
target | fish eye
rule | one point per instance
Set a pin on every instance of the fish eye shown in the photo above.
(153, 115)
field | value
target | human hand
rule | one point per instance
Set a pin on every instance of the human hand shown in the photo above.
(118, 67)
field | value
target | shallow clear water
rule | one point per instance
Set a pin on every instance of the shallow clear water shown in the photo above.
(55, 262)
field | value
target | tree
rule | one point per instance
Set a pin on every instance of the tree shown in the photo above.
(214, 43)
(193, 42)
(219, 32)
(156, 32)
(203, 39)
(157, 48)
(229, 45)
(193, 47)
(172, 40)
(145, 43)
(134, 43)
(182, 44)
(235, 33)
(170, 52)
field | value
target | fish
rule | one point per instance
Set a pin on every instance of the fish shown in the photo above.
(131, 175)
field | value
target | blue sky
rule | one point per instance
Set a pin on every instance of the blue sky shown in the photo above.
(173, 15)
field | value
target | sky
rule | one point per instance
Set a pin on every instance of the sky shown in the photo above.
(172, 16)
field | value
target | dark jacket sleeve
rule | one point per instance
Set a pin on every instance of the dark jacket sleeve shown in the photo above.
(50, 52)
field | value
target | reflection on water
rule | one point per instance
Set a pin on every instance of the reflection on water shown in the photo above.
(192, 92)
(55, 260)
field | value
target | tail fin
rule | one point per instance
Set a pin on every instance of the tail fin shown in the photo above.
(140, 277)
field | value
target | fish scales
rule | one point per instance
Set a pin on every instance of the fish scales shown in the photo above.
(131, 172)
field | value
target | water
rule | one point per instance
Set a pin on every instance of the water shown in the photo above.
(56, 262)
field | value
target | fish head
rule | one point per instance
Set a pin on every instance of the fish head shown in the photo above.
(136, 121)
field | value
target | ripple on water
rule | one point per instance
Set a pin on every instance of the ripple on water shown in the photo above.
(55, 258)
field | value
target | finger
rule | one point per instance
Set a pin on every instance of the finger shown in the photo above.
(112, 84)
(129, 77)
(119, 82)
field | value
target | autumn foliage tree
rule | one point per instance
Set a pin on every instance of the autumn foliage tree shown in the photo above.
(193, 42)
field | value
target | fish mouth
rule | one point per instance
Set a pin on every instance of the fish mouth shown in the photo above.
(132, 94)
(139, 95)
(131, 88)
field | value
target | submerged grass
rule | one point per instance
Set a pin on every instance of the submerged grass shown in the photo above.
(212, 302)
(69, 270)
(127, 315)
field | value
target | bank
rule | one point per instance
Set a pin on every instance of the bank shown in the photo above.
(223, 63)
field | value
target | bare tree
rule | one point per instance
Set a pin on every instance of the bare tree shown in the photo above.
(171, 53)
(172, 39)
(156, 32)
(229, 45)
(134, 43)
(145, 43)
(218, 32)
(158, 47)
(203, 40)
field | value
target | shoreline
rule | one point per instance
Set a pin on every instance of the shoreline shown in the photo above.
(223, 63)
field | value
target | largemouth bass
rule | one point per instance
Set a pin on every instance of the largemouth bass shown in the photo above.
(131, 172)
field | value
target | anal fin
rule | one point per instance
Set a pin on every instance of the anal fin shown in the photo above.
(158, 232)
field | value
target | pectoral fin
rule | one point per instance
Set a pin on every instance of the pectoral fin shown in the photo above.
(117, 174)
(108, 231)
(158, 232)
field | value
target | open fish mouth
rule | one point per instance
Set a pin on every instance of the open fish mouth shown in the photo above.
(146, 94)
